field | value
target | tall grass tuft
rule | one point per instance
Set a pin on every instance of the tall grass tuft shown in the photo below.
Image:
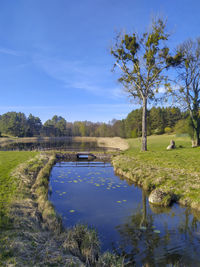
(84, 243)
(111, 260)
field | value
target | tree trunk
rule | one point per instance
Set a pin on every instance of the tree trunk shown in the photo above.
(197, 136)
(196, 130)
(144, 210)
(144, 125)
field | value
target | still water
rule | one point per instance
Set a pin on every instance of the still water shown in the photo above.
(90, 193)
(48, 144)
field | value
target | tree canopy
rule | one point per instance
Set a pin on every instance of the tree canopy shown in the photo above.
(188, 93)
(17, 124)
(142, 61)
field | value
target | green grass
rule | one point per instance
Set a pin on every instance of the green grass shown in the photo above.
(20, 244)
(183, 157)
(8, 185)
(175, 171)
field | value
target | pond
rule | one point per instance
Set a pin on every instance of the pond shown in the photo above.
(47, 144)
(90, 193)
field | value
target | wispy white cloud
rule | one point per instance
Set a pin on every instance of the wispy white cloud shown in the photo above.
(93, 106)
(26, 107)
(110, 106)
(79, 75)
(163, 89)
(100, 112)
(9, 51)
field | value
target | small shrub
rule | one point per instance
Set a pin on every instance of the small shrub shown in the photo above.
(168, 130)
(184, 127)
(134, 133)
(158, 131)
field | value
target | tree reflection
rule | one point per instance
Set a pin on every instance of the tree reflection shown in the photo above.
(142, 243)
(138, 239)
(188, 223)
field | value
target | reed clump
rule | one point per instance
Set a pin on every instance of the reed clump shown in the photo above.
(84, 243)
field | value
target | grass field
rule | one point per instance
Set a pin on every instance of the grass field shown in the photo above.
(176, 171)
(184, 156)
(8, 162)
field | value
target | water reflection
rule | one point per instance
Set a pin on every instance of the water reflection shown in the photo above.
(90, 193)
(143, 245)
(47, 144)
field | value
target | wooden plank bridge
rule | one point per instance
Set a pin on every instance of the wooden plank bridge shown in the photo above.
(83, 155)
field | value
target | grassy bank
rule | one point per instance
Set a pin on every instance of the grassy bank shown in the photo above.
(8, 184)
(176, 172)
(34, 235)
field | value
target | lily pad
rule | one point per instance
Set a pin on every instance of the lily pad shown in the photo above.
(157, 231)
(72, 211)
(119, 201)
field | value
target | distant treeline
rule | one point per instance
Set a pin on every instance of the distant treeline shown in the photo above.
(160, 120)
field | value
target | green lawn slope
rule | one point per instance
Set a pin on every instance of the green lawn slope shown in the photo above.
(8, 185)
(175, 171)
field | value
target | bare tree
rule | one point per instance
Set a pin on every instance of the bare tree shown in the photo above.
(188, 80)
(142, 61)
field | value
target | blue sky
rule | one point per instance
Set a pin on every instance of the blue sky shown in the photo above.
(54, 54)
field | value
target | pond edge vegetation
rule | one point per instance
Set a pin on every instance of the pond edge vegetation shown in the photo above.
(35, 235)
(42, 241)
(166, 185)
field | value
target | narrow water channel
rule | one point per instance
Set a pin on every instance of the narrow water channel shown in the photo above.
(90, 193)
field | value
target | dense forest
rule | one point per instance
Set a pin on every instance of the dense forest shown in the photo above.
(160, 120)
